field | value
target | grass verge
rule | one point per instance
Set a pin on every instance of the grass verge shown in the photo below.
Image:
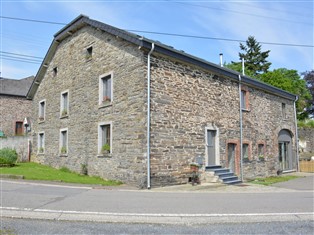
(35, 171)
(273, 179)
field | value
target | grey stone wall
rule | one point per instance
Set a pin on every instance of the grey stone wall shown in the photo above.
(13, 109)
(306, 138)
(187, 100)
(80, 76)
(22, 145)
(262, 124)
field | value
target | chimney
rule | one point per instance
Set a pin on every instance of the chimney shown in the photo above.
(220, 56)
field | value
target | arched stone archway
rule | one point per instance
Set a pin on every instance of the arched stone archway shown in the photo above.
(285, 150)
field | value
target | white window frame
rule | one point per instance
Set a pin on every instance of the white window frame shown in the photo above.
(101, 87)
(40, 114)
(100, 135)
(62, 103)
(39, 141)
(61, 141)
(284, 110)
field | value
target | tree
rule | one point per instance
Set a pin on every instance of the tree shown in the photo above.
(290, 80)
(255, 60)
(309, 79)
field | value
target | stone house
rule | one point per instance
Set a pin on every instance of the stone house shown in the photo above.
(139, 111)
(14, 106)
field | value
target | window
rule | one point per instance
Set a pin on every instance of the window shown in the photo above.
(64, 141)
(261, 152)
(104, 138)
(89, 52)
(260, 149)
(283, 110)
(105, 89)
(55, 71)
(64, 106)
(41, 142)
(243, 100)
(42, 109)
(18, 128)
(245, 152)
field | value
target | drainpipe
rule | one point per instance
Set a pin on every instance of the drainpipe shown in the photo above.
(148, 115)
(296, 132)
(241, 140)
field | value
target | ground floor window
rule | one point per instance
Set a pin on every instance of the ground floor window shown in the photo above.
(104, 138)
(41, 142)
(64, 141)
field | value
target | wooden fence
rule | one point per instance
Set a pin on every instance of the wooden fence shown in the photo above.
(307, 166)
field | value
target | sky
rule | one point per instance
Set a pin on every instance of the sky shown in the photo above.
(23, 44)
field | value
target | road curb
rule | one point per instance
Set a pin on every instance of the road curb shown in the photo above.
(11, 212)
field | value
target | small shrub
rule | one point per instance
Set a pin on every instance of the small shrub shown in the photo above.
(63, 150)
(65, 169)
(8, 156)
(105, 148)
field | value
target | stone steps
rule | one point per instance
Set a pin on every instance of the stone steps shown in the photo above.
(224, 175)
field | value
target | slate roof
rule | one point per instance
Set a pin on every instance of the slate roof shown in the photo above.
(13, 87)
(146, 44)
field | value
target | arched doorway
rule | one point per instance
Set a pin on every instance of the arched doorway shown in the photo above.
(285, 150)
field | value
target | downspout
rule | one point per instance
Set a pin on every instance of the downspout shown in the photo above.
(296, 133)
(241, 132)
(148, 115)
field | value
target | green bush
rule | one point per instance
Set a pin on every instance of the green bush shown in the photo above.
(8, 156)
(306, 123)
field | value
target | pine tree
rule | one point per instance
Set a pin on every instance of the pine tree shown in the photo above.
(255, 60)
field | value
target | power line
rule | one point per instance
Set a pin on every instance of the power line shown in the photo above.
(221, 39)
(31, 20)
(30, 56)
(171, 34)
(243, 13)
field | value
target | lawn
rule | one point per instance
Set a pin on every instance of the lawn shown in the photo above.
(273, 179)
(34, 171)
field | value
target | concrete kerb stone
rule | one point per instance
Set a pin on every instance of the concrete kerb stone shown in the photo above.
(152, 218)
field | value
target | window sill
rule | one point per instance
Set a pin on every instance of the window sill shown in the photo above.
(105, 104)
(40, 153)
(41, 121)
(246, 110)
(64, 116)
(63, 155)
(106, 155)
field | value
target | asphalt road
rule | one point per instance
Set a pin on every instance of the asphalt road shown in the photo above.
(21, 199)
(27, 226)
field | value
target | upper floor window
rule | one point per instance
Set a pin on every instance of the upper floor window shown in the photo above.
(18, 128)
(55, 71)
(89, 52)
(105, 89)
(42, 110)
(244, 99)
(283, 110)
(64, 105)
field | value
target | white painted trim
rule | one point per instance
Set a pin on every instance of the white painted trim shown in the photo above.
(101, 87)
(99, 135)
(38, 141)
(61, 102)
(217, 147)
(39, 108)
(60, 140)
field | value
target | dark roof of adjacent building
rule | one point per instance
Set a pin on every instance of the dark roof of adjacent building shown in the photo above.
(147, 44)
(14, 87)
